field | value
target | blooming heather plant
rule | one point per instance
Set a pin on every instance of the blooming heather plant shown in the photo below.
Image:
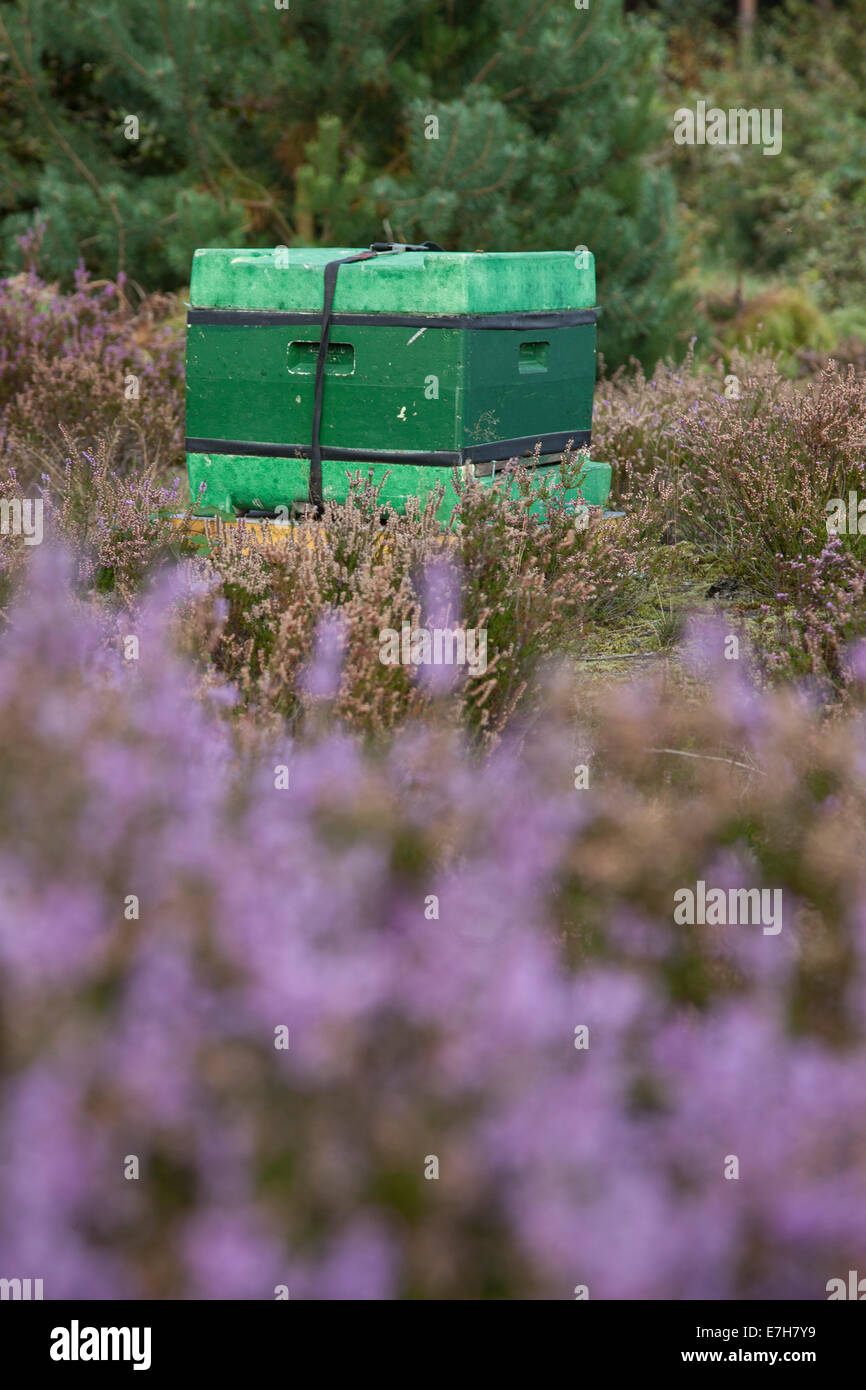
(529, 585)
(812, 628)
(119, 528)
(316, 1022)
(761, 468)
(733, 456)
(743, 467)
(87, 362)
(632, 419)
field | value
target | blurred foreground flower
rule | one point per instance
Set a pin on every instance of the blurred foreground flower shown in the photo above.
(412, 1023)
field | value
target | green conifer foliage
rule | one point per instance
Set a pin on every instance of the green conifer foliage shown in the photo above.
(490, 124)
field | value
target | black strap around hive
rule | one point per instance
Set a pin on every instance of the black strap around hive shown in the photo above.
(332, 269)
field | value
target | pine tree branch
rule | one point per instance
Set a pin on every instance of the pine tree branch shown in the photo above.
(31, 85)
(583, 86)
(358, 114)
(491, 187)
(267, 200)
(528, 17)
(488, 67)
(252, 19)
(191, 122)
(650, 246)
(368, 25)
(576, 168)
(127, 57)
(437, 182)
(121, 237)
(482, 157)
(585, 33)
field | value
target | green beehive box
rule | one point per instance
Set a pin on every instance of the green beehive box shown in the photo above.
(436, 361)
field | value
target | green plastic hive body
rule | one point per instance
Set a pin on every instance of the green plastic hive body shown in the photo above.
(430, 367)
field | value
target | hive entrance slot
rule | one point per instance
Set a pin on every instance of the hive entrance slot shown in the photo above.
(533, 357)
(302, 358)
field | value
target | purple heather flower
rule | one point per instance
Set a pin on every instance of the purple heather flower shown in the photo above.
(322, 679)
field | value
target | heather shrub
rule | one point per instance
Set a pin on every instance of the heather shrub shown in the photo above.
(85, 361)
(314, 1020)
(737, 460)
(759, 468)
(278, 597)
(634, 429)
(633, 419)
(14, 546)
(531, 585)
(118, 528)
(811, 629)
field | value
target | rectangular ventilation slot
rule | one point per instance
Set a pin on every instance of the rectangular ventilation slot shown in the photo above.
(533, 357)
(340, 360)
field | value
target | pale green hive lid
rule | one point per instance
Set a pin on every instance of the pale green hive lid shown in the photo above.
(410, 282)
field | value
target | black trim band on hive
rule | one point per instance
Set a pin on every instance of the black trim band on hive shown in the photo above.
(443, 458)
(272, 318)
